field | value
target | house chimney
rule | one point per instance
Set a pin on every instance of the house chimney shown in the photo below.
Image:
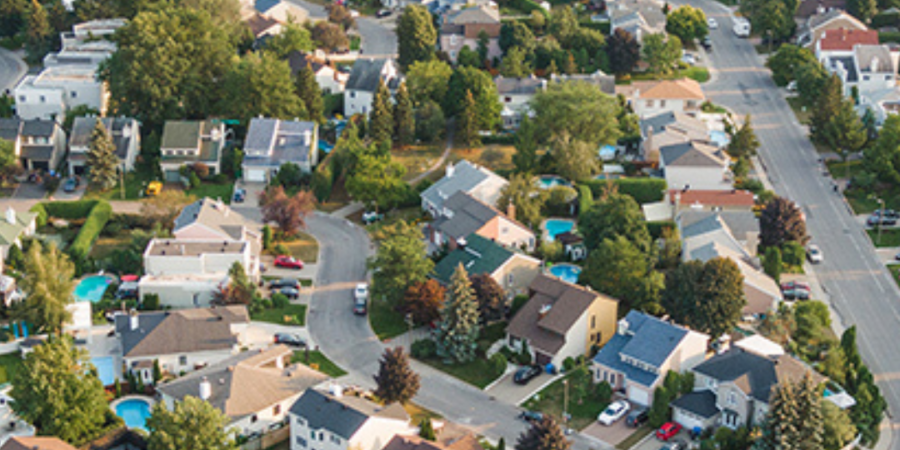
(623, 327)
(450, 170)
(307, 138)
(511, 211)
(544, 310)
(133, 321)
(205, 389)
(10, 216)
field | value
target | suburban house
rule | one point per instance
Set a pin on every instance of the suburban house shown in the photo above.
(282, 11)
(180, 340)
(125, 134)
(465, 441)
(669, 128)
(477, 181)
(695, 200)
(39, 144)
(363, 81)
(695, 165)
(638, 17)
(606, 83)
(635, 361)
(254, 389)
(331, 80)
(562, 320)
(89, 43)
(461, 29)
(840, 42)
(13, 228)
(515, 93)
(732, 389)
(512, 270)
(35, 443)
(649, 98)
(867, 67)
(213, 220)
(273, 142)
(333, 421)
(809, 8)
(816, 25)
(188, 142)
(711, 237)
(263, 28)
(463, 215)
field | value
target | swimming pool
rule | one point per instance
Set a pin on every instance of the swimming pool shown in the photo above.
(556, 227)
(552, 181)
(91, 289)
(719, 137)
(607, 152)
(566, 272)
(134, 411)
(105, 369)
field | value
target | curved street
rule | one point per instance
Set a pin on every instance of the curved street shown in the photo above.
(377, 38)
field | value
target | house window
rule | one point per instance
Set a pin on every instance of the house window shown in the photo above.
(593, 321)
(732, 398)
(887, 77)
(321, 435)
(73, 94)
(182, 360)
(335, 440)
(352, 94)
(662, 103)
(507, 99)
(43, 99)
(710, 383)
(276, 410)
(865, 77)
(253, 418)
(301, 421)
(22, 98)
(649, 103)
(301, 442)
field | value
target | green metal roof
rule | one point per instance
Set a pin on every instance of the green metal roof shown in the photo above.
(479, 256)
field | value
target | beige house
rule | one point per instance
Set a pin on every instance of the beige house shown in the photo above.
(512, 270)
(562, 320)
(635, 361)
(188, 142)
(649, 98)
(463, 215)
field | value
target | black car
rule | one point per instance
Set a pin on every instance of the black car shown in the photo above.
(637, 417)
(289, 292)
(239, 195)
(383, 13)
(531, 416)
(70, 185)
(707, 43)
(526, 374)
(284, 283)
(875, 219)
(289, 339)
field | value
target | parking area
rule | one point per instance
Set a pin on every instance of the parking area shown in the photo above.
(613, 434)
(507, 391)
(251, 199)
(652, 443)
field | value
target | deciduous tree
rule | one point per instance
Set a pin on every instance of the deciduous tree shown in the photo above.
(193, 423)
(785, 62)
(544, 434)
(428, 80)
(261, 85)
(416, 36)
(457, 332)
(620, 269)
(289, 213)
(165, 206)
(48, 287)
(482, 48)
(340, 15)
(399, 262)
(781, 221)
(404, 118)
(377, 180)
(483, 90)
(580, 109)
(430, 121)
(101, 158)
(240, 289)
(744, 143)
(863, 10)
(687, 22)
(38, 32)
(827, 105)
(423, 301)
(624, 52)
(396, 381)
(613, 215)
(467, 123)
(882, 158)
(9, 162)
(661, 52)
(773, 263)
(515, 33)
(527, 197)
(525, 159)
(293, 37)
(575, 160)
(514, 64)
(491, 297)
(845, 133)
(330, 36)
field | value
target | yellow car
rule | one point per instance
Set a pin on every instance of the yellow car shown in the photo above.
(154, 188)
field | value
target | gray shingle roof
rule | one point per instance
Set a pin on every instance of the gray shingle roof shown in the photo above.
(298, 60)
(217, 217)
(469, 215)
(465, 177)
(341, 416)
(183, 331)
(607, 83)
(281, 141)
(701, 403)
(692, 154)
(38, 152)
(678, 120)
(760, 373)
(474, 15)
(365, 74)
(10, 128)
(654, 340)
(122, 130)
(519, 86)
(741, 223)
(39, 128)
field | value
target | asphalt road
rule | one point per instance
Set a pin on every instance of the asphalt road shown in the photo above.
(12, 68)
(377, 38)
(859, 287)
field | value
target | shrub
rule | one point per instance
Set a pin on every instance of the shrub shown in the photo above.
(42, 214)
(527, 6)
(656, 228)
(266, 237)
(517, 304)
(150, 303)
(194, 180)
(280, 249)
(642, 189)
(92, 227)
(219, 178)
(280, 300)
(498, 363)
(568, 364)
(750, 184)
(202, 170)
(552, 251)
(502, 139)
(604, 391)
(793, 253)
(322, 180)
(559, 202)
(51, 184)
(585, 198)
(524, 356)
(423, 349)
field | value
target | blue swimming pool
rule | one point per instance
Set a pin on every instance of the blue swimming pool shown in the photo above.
(566, 272)
(135, 412)
(552, 181)
(719, 137)
(105, 369)
(91, 289)
(556, 227)
(607, 152)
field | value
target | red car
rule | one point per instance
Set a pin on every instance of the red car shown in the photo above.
(288, 261)
(668, 430)
(794, 285)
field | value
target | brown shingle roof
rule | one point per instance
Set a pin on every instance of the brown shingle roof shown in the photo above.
(35, 443)
(713, 198)
(182, 331)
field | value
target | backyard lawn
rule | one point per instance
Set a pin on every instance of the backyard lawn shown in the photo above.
(318, 361)
(493, 156)
(478, 372)
(417, 158)
(889, 237)
(585, 400)
(296, 313)
(9, 364)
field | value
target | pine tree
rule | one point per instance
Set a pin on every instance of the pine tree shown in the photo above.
(467, 125)
(101, 158)
(744, 143)
(844, 132)
(404, 120)
(381, 121)
(309, 92)
(772, 263)
(396, 381)
(458, 330)
(525, 159)
(543, 435)
(780, 428)
(809, 409)
(38, 31)
(426, 429)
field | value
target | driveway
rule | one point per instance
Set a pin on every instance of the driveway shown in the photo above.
(507, 391)
(29, 191)
(652, 443)
(613, 434)
(308, 272)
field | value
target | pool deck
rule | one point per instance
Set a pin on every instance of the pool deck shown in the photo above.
(545, 233)
(150, 400)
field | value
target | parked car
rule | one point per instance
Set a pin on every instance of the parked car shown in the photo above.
(795, 294)
(689, 59)
(383, 13)
(889, 213)
(712, 24)
(875, 219)
(360, 298)
(792, 86)
(289, 339)
(707, 43)
(637, 417)
(675, 444)
(814, 254)
(71, 184)
(791, 285)
(154, 188)
(289, 292)
(667, 430)
(615, 411)
(526, 374)
(239, 195)
(288, 262)
(531, 416)
(283, 283)
(372, 217)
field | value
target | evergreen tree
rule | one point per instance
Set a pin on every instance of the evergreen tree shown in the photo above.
(467, 126)
(772, 263)
(844, 132)
(827, 105)
(381, 120)
(416, 36)
(484, 41)
(780, 427)
(101, 158)
(39, 32)
(404, 118)
(809, 409)
(544, 434)
(426, 429)
(514, 64)
(863, 10)
(309, 92)
(744, 143)
(525, 159)
(570, 68)
(395, 379)
(552, 69)
(458, 330)
(15, 259)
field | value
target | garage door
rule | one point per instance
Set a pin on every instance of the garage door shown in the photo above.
(255, 175)
(638, 395)
(687, 420)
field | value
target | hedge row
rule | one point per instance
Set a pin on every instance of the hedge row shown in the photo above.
(656, 228)
(602, 27)
(95, 212)
(889, 36)
(500, 139)
(643, 190)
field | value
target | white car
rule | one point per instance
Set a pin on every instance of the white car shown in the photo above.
(615, 411)
(689, 59)
(814, 254)
(712, 24)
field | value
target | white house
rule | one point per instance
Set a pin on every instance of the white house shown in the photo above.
(181, 341)
(695, 165)
(273, 142)
(643, 350)
(649, 98)
(125, 134)
(364, 78)
(515, 93)
(254, 389)
(477, 181)
(39, 144)
(332, 421)
(331, 80)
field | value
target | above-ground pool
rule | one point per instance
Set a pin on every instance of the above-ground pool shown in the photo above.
(134, 411)
(91, 289)
(556, 227)
(105, 369)
(552, 181)
(566, 272)
(719, 137)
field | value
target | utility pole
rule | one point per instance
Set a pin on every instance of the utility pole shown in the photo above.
(880, 219)
(566, 406)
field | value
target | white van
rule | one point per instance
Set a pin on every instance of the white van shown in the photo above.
(741, 27)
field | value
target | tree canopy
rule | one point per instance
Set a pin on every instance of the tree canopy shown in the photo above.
(288, 212)
(483, 90)
(48, 287)
(261, 85)
(293, 37)
(416, 36)
(101, 158)
(193, 424)
(883, 158)
(785, 62)
(527, 197)
(708, 297)
(580, 109)
(781, 221)
(428, 80)
(624, 51)
(620, 269)
(661, 52)
(687, 22)
(395, 380)
(399, 262)
(574, 160)
(457, 332)
(614, 215)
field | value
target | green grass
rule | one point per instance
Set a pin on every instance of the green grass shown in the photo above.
(105, 246)
(864, 201)
(550, 400)
(841, 170)
(797, 106)
(213, 190)
(10, 363)
(889, 238)
(698, 73)
(277, 315)
(895, 272)
(634, 438)
(478, 373)
(304, 247)
(134, 184)
(386, 322)
(354, 42)
(320, 362)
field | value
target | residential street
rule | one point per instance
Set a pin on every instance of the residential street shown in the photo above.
(12, 68)
(858, 286)
(377, 39)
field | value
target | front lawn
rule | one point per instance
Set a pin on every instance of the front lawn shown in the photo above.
(803, 114)
(846, 171)
(889, 237)
(386, 322)
(417, 158)
(634, 438)
(303, 246)
(10, 363)
(296, 315)
(222, 191)
(894, 269)
(417, 413)
(699, 73)
(134, 183)
(318, 361)
(105, 245)
(478, 372)
(586, 401)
